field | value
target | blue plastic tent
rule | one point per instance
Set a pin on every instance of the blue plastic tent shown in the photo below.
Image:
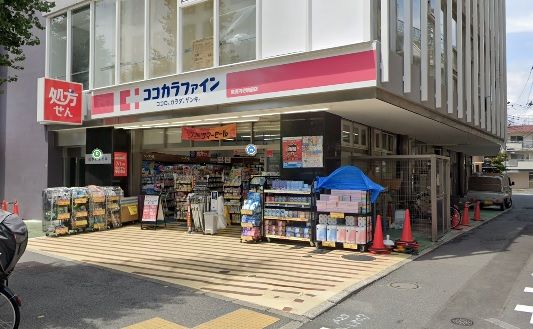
(350, 178)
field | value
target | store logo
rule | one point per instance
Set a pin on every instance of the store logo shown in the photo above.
(97, 154)
(128, 97)
(251, 149)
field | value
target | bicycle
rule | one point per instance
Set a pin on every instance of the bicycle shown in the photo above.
(455, 213)
(13, 241)
(9, 307)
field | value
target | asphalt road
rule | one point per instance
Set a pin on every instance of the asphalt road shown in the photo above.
(61, 294)
(479, 278)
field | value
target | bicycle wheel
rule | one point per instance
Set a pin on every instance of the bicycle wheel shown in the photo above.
(454, 211)
(9, 310)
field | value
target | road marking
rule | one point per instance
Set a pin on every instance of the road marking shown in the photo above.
(501, 324)
(525, 308)
(528, 289)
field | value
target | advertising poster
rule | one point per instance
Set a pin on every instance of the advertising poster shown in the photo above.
(312, 152)
(120, 164)
(151, 205)
(292, 152)
(209, 134)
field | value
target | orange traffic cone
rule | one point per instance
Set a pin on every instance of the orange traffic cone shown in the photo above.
(4, 205)
(477, 212)
(16, 208)
(378, 247)
(466, 216)
(407, 235)
(406, 243)
(455, 222)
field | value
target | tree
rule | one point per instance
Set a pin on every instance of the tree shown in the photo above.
(498, 162)
(17, 20)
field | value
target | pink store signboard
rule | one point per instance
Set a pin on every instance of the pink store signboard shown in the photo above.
(220, 85)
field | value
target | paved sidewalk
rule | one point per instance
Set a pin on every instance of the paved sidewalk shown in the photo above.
(292, 278)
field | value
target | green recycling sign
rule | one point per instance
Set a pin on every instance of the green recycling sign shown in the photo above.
(97, 154)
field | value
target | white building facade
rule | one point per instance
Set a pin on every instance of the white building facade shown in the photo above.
(149, 67)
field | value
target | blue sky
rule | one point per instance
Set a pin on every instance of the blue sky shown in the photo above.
(519, 48)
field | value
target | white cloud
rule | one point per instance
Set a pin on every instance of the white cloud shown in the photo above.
(518, 24)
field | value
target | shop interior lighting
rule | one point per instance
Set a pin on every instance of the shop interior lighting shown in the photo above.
(130, 127)
(259, 115)
(306, 111)
(184, 122)
(225, 118)
(239, 121)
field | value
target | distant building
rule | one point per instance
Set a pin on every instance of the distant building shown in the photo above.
(520, 149)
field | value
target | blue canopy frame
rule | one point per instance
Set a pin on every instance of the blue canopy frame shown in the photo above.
(349, 178)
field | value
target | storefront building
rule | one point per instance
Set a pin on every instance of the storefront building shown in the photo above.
(161, 76)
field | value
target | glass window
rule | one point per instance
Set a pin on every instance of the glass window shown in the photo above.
(431, 37)
(416, 35)
(58, 47)
(363, 136)
(356, 135)
(244, 135)
(346, 133)
(237, 31)
(400, 26)
(266, 132)
(163, 33)
(197, 30)
(131, 40)
(104, 43)
(153, 137)
(174, 137)
(378, 140)
(80, 46)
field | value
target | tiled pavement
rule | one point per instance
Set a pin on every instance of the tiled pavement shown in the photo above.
(293, 278)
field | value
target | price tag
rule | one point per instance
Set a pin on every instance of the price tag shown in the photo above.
(350, 245)
(336, 214)
(328, 244)
(132, 209)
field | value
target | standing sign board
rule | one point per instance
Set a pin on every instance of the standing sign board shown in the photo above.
(59, 102)
(152, 210)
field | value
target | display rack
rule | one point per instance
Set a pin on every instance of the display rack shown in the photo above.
(113, 195)
(97, 212)
(56, 211)
(79, 220)
(183, 186)
(233, 194)
(344, 219)
(288, 211)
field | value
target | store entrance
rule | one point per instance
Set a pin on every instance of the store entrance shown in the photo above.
(74, 167)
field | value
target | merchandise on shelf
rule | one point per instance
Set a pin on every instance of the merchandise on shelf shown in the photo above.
(343, 217)
(79, 220)
(233, 192)
(251, 217)
(287, 211)
(113, 195)
(97, 211)
(56, 211)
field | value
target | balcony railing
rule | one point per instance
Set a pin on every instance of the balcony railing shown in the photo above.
(517, 146)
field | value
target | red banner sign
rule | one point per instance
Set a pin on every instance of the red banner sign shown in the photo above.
(120, 164)
(59, 101)
(209, 134)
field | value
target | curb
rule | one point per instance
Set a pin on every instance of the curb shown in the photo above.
(346, 293)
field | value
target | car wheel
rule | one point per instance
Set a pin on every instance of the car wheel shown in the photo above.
(502, 206)
(508, 203)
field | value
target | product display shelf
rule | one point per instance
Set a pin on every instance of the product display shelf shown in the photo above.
(251, 219)
(113, 195)
(56, 210)
(233, 194)
(97, 211)
(183, 186)
(79, 220)
(346, 225)
(288, 212)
